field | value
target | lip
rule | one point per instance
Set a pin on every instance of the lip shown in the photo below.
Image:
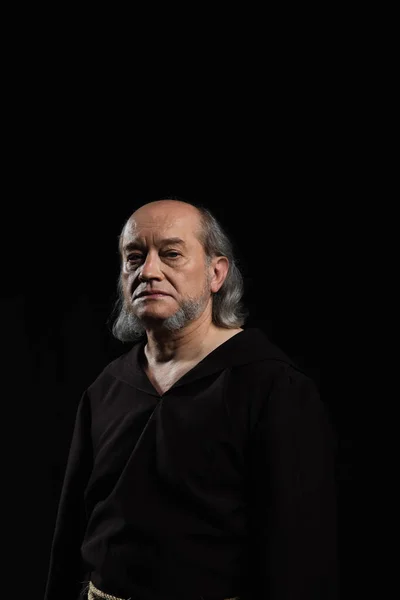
(152, 294)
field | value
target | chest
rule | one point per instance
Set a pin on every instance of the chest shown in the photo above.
(164, 377)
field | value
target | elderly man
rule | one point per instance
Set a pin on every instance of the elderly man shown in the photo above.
(202, 460)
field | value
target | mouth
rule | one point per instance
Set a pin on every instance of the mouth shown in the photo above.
(152, 294)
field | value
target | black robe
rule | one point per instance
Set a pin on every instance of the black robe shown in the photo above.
(223, 486)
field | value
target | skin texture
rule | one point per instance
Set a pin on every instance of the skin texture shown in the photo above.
(153, 259)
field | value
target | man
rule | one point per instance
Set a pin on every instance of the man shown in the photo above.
(202, 459)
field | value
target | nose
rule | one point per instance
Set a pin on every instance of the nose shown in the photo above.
(150, 268)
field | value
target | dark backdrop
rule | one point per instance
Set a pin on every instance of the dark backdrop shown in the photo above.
(61, 281)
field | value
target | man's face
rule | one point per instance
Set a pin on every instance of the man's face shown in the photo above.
(163, 262)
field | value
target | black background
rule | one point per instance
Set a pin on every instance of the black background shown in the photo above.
(72, 187)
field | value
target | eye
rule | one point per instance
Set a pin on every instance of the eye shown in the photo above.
(134, 257)
(172, 254)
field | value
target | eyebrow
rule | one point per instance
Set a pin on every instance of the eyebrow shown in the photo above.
(163, 242)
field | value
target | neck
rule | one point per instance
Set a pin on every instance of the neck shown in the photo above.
(185, 344)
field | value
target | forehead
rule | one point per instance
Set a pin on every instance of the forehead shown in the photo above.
(155, 222)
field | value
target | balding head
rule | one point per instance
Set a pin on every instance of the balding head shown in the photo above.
(179, 207)
(165, 214)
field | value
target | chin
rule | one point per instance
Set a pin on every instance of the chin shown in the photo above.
(153, 314)
(170, 322)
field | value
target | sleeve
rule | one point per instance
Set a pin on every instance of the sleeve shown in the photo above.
(66, 572)
(292, 495)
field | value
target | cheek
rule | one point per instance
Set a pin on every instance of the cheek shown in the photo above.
(126, 284)
(194, 284)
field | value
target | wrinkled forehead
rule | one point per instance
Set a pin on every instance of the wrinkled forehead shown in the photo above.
(153, 227)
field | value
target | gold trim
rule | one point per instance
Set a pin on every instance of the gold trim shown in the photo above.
(95, 594)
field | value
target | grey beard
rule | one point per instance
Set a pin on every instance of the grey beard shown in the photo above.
(128, 327)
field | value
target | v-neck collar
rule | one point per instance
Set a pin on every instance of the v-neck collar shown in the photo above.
(251, 345)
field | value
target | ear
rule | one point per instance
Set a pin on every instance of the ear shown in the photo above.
(219, 266)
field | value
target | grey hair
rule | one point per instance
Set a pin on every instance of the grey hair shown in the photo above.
(228, 310)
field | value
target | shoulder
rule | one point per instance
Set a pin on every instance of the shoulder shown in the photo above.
(264, 374)
(120, 368)
(253, 351)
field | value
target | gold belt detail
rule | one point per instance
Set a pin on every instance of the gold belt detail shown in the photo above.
(96, 594)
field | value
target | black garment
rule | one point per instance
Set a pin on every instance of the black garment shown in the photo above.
(223, 486)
